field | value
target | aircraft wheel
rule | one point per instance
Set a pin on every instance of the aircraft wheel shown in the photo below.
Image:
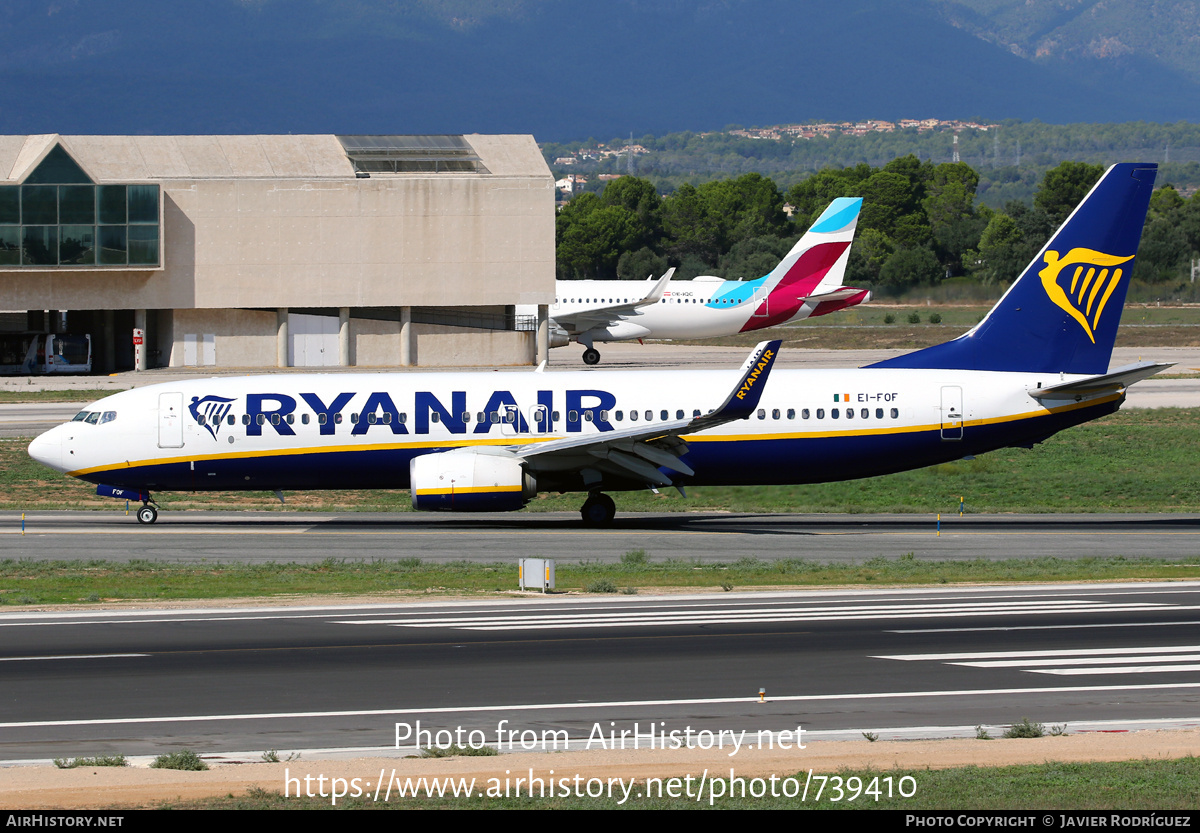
(591, 356)
(147, 514)
(598, 510)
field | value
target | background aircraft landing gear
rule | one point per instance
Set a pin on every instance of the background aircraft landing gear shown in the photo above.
(147, 514)
(598, 510)
(591, 356)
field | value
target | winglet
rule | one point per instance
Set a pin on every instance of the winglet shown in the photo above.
(659, 288)
(742, 401)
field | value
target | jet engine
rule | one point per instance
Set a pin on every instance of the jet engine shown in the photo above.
(470, 480)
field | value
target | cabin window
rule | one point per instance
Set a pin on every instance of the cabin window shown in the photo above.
(231, 419)
(834, 413)
(274, 419)
(865, 413)
(695, 413)
(510, 416)
(403, 418)
(649, 415)
(895, 413)
(587, 415)
(762, 413)
(633, 416)
(663, 415)
(620, 416)
(371, 418)
(261, 419)
(290, 419)
(604, 416)
(200, 420)
(435, 417)
(322, 419)
(466, 417)
(481, 417)
(245, 419)
(791, 413)
(849, 413)
(572, 416)
(337, 418)
(820, 413)
(879, 413)
(354, 419)
(304, 419)
(804, 413)
(679, 414)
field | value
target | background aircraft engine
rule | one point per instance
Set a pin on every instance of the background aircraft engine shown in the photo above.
(469, 481)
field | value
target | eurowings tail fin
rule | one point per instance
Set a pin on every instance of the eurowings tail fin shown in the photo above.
(1061, 314)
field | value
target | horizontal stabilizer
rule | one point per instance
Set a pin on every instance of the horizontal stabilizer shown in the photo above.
(1122, 377)
(843, 294)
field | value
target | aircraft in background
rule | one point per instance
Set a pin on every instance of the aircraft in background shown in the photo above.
(1036, 364)
(807, 282)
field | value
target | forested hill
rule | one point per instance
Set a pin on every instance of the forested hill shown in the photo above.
(564, 68)
(1010, 157)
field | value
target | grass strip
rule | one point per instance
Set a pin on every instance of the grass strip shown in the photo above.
(75, 582)
(1148, 785)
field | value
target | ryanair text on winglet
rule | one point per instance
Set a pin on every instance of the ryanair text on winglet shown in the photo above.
(752, 377)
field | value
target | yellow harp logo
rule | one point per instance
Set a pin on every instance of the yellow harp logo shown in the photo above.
(1092, 281)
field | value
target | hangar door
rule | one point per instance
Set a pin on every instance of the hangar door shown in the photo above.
(312, 340)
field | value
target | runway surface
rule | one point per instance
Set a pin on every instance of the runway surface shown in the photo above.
(906, 663)
(257, 537)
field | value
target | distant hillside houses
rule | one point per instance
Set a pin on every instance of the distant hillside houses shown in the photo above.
(785, 131)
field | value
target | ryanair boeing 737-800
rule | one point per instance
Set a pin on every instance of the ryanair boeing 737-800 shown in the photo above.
(1036, 364)
(807, 282)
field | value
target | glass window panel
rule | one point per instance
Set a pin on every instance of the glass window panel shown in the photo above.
(77, 245)
(39, 204)
(113, 247)
(40, 245)
(143, 203)
(143, 245)
(10, 246)
(10, 204)
(58, 167)
(112, 204)
(77, 204)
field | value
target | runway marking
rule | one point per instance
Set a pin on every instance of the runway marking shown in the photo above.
(72, 656)
(635, 618)
(1073, 662)
(1006, 628)
(800, 698)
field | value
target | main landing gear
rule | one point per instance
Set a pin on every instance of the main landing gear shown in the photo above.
(591, 356)
(148, 514)
(598, 510)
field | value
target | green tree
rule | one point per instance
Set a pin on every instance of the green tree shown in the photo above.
(1064, 187)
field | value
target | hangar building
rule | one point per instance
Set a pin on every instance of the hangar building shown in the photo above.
(265, 251)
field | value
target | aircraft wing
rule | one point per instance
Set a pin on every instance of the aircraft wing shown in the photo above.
(580, 320)
(1122, 377)
(640, 451)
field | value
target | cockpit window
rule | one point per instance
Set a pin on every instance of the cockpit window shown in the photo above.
(108, 416)
(92, 418)
(80, 417)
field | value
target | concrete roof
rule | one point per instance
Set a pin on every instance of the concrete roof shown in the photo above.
(152, 158)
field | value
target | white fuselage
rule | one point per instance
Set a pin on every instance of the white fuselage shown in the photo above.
(313, 431)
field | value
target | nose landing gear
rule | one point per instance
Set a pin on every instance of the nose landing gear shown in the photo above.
(148, 514)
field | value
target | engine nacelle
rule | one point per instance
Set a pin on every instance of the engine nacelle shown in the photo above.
(470, 480)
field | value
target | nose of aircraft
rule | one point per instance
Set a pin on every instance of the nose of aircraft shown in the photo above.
(47, 449)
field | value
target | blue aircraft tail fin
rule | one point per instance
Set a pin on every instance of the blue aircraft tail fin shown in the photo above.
(1061, 314)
